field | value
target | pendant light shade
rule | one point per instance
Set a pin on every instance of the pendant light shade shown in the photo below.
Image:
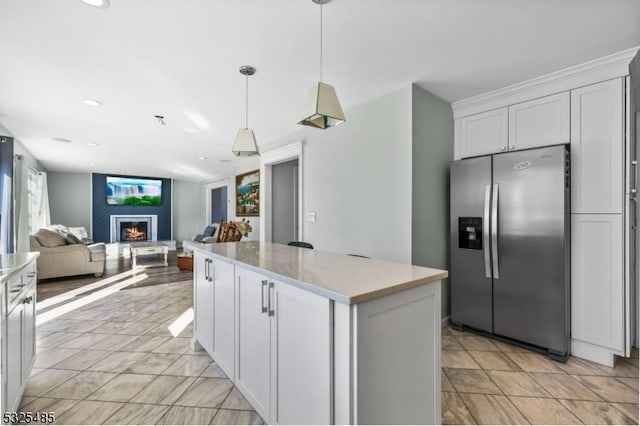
(322, 109)
(245, 144)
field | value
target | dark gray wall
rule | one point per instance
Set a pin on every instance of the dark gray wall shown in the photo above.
(432, 151)
(102, 211)
(283, 197)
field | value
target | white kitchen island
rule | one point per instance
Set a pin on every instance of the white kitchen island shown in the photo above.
(312, 337)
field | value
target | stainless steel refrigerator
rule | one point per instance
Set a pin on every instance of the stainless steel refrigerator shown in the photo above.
(510, 258)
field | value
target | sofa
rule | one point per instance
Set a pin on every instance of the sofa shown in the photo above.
(63, 254)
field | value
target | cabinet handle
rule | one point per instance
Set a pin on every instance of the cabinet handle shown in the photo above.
(27, 300)
(264, 305)
(31, 274)
(210, 274)
(271, 310)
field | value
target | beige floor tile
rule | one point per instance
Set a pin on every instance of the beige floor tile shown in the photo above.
(137, 414)
(163, 390)
(145, 343)
(517, 383)
(136, 328)
(454, 412)
(160, 330)
(204, 392)
(83, 359)
(175, 345)
(473, 381)
(54, 405)
(188, 365)
(446, 331)
(236, 401)
(609, 388)
(88, 412)
(534, 363)
(450, 343)
(494, 361)
(122, 388)
(622, 368)
(446, 385)
(83, 341)
(544, 411)
(581, 367)
(117, 362)
(114, 342)
(26, 400)
(592, 413)
(237, 417)
(506, 347)
(492, 409)
(630, 381)
(55, 339)
(563, 386)
(213, 370)
(53, 356)
(112, 327)
(80, 386)
(456, 333)
(477, 343)
(630, 410)
(153, 363)
(161, 317)
(46, 380)
(458, 359)
(188, 416)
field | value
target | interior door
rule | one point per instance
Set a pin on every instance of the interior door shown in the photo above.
(470, 275)
(530, 288)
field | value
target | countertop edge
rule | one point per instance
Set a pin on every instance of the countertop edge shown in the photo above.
(319, 290)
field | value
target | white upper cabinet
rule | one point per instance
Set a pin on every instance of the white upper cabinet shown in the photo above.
(596, 148)
(484, 133)
(539, 122)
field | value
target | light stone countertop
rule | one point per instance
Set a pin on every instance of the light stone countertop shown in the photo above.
(10, 263)
(345, 279)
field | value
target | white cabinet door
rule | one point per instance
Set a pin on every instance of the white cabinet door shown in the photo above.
(302, 352)
(253, 353)
(597, 290)
(224, 316)
(29, 332)
(13, 343)
(484, 133)
(203, 301)
(540, 122)
(596, 148)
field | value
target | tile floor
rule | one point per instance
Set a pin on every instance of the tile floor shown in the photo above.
(114, 361)
(489, 382)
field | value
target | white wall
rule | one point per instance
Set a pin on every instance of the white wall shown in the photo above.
(188, 210)
(357, 179)
(70, 199)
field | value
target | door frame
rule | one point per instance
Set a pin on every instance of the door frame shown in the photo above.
(292, 151)
(213, 185)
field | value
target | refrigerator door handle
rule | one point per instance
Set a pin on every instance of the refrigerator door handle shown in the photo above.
(494, 231)
(485, 231)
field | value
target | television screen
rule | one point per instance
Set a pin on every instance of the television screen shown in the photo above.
(129, 191)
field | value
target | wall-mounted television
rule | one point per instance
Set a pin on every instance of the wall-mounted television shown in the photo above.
(132, 191)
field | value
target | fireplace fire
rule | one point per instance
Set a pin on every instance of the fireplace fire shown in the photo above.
(133, 231)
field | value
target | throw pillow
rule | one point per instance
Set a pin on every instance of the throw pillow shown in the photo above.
(71, 239)
(48, 238)
(209, 231)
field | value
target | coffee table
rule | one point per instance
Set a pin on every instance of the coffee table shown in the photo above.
(147, 248)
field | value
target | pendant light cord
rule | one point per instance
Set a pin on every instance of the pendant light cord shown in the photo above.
(246, 102)
(320, 42)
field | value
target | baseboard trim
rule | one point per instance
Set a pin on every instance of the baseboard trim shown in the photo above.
(446, 321)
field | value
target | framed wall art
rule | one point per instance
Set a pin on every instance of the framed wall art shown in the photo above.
(248, 194)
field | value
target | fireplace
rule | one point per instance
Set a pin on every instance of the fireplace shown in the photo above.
(125, 228)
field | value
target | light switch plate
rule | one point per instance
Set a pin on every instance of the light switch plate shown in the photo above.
(311, 217)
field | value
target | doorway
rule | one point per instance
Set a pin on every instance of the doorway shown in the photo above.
(218, 204)
(284, 196)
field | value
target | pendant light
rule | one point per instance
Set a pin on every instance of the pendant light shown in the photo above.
(322, 108)
(245, 144)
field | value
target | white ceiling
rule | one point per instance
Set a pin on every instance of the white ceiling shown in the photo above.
(180, 59)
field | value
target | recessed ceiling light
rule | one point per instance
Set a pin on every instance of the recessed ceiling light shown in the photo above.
(93, 144)
(202, 158)
(103, 4)
(92, 164)
(63, 140)
(92, 102)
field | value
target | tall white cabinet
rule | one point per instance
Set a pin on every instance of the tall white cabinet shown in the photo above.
(585, 106)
